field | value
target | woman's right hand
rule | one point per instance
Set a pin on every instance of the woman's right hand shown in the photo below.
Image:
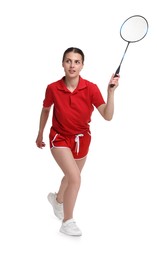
(39, 141)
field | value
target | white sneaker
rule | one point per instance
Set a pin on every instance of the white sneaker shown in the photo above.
(57, 207)
(70, 228)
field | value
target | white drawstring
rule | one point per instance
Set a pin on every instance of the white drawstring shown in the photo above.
(77, 140)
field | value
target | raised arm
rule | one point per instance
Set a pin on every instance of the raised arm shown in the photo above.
(107, 110)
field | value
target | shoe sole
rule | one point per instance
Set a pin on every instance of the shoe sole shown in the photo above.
(72, 235)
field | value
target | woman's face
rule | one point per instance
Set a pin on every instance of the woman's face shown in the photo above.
(72, 64)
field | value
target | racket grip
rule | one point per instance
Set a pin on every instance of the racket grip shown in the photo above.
(112, 85)
(115, 75)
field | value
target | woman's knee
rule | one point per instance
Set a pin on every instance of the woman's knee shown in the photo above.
(71, 179)
(74, 179)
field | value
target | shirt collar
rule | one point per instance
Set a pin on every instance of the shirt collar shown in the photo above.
(81, 85)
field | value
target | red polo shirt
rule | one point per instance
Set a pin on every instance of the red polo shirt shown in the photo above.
(72, 110)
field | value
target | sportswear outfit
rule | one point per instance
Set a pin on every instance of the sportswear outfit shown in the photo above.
(72, 114)
(70, 128)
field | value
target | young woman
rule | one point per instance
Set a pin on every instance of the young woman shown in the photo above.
(73, 99)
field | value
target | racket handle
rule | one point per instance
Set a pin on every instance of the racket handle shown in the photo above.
(112, 85)
(115, 75)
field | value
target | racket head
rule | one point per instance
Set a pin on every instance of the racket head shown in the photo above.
(134, 28)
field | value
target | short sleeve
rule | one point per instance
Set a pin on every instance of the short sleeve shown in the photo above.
(48, 100)
(97, 98)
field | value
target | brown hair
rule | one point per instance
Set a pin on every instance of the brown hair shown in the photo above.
(75, 50)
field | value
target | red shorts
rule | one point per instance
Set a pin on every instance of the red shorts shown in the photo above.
(78, 144)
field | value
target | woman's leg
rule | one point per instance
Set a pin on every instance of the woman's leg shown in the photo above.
(71, 182)
(60, 194)
(80, 163)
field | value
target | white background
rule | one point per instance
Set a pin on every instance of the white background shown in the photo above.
(116, 207)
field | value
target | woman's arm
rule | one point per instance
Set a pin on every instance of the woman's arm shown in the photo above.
(107, 110)
(43, 119)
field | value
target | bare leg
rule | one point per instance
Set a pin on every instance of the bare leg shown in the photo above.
(62, 188)
(71, 182)
(64, 183)
(80, 163)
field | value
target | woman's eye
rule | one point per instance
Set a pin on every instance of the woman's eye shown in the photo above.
(76, 62)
